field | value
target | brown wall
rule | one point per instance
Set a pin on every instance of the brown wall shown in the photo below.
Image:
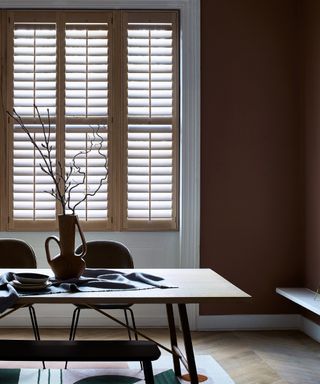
(312, 129)
(251, 180)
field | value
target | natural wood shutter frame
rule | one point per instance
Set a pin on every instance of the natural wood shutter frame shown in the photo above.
(151, 121)
(87, 47)
(141, 147)
(33, 59)
(51, 87)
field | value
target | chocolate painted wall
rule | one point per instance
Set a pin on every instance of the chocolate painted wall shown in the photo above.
(312, 129)
(251, 193)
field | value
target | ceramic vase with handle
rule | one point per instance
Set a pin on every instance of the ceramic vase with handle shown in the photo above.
(67, 264)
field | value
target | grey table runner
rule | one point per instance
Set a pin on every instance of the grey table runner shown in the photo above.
(8, 295)
(93, 280)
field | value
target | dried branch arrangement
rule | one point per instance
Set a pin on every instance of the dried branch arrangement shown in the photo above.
(64, 178)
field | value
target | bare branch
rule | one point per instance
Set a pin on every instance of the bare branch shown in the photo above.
(62, 179)
(87, 194)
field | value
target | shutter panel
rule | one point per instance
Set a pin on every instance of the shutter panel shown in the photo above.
(112, 71)
(151, 124)
(86, 71)
(34, 83)
(86, 102)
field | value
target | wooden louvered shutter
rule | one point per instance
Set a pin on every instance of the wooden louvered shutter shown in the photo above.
(118, 71)
(59, 61)
(33, 80)
(87, 110)
(151, 120)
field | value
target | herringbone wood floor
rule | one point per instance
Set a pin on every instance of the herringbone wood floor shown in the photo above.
(273, 357)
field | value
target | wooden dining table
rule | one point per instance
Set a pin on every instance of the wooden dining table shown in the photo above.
(189, 286)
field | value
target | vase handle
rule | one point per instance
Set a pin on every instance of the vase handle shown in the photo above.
(46, 244)
(84, 244)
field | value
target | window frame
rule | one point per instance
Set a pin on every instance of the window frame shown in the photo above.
(117, 216)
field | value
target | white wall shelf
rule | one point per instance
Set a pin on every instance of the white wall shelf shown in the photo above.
(302, 296)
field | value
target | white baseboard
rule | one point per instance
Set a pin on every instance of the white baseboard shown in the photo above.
(310, 328)
(248, 322)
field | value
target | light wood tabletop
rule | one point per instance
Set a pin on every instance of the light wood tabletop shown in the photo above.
(192, 286)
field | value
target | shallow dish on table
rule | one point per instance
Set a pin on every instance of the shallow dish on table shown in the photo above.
(29, 287)
(31, 278)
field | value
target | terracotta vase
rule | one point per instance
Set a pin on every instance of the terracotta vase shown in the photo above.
(67, 264)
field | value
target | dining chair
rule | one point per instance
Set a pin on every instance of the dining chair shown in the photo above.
(16, 253)
(106, 254)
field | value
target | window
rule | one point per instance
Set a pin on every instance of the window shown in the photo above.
(110, 82)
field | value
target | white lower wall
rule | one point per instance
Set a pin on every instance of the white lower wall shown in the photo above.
(149, 249)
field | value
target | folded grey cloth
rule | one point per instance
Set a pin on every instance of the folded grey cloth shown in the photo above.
(92, 280)
(105, 279)
(8, 295)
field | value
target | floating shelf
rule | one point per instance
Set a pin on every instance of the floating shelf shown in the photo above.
(302, 296)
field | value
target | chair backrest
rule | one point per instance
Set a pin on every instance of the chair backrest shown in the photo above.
(107, 254)
(15, 253)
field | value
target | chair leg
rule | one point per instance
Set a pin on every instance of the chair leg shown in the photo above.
(34, 322)
(73, 328)
(127, 323)
(74, 323)
(134, 327)
(35, 327)
(133, 323)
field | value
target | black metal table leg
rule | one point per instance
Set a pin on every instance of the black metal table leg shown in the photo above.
(188, 343)
(173, 339)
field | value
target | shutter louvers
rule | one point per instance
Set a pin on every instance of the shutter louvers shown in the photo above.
(150, 172)
(86, 102)
(31, 199)
(151, 125)
(34, 83)
(150, 66)
(110, 81)
(92, 158)
(86, 71)
(34, 69)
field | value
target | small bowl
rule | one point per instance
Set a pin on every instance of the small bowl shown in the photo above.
(31, 278)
